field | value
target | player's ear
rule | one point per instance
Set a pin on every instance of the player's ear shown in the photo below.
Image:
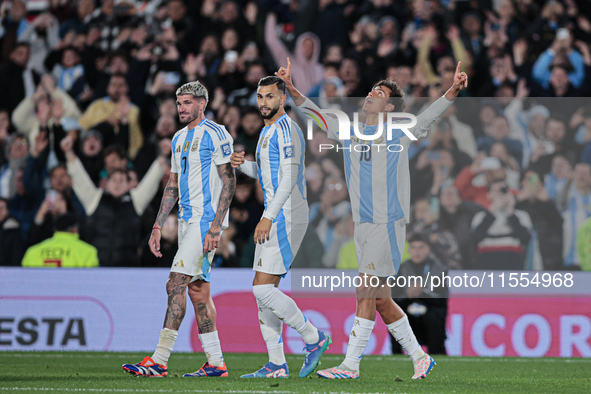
(389, 107)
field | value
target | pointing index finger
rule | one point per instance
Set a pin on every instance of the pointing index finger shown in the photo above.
(288, 65)
(458, 67)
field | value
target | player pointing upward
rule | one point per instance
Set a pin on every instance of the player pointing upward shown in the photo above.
(203, 181)
(379, 186)
(279, 167)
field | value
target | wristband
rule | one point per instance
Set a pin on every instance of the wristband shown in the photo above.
(156, 228)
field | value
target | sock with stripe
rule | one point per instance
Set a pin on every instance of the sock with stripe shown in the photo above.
(360, 334)
(402, 332)
(286, 310)
(212, 348)
(165, 346)
(272, 328)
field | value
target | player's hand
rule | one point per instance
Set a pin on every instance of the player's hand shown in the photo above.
(154, 242)
(237, 159)
(212, 239)
(261, 232)
(460, 78)
(285, 73)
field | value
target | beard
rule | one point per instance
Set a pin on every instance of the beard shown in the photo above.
(190, 117)
(271, 113)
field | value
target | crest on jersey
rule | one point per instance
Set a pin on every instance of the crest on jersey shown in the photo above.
(186, 147)
(266, 142)
(195, 144)
(226, 150)
(288, 150)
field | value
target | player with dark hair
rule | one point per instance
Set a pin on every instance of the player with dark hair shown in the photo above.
(379, 186)
(279, 167)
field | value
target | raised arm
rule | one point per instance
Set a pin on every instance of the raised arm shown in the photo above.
(435, 110)
(212, 238)
(88, 194)
(169, 198)
(327, 122)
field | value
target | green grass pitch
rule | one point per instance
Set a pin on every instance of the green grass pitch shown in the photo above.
(101, 372)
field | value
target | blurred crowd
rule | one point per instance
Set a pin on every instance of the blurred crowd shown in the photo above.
(87, 112)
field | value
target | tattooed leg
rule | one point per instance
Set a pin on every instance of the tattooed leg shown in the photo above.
(204, 308)
(177, 300)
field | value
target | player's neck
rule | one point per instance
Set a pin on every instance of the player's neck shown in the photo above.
(280, 113)
(196, 122)
(372, 119)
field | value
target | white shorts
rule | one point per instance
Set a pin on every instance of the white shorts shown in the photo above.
(189, 258)
(379, 247)
(275, 255)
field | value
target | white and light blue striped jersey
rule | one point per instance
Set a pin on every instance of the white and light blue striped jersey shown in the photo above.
(196, 153)
(279, 145)
(377, 172)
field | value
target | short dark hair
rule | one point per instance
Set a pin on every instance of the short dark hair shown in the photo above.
(117, 149)
(273, 80)
(396, 95)
(118, 171)
(419, 237)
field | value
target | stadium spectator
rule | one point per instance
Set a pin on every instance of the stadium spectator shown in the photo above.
(577, 210)
(499, 132)
(14, 23)
(545, 248)
(425, 307)
(333, 206)
(114, 214)
(16, 78)
(528, 127)
(307, 71)
(41, 35)
(157, 143)
(90, 154)
(501, 233)
(76, 23)
(16, 154)
(245, 96)
(557, 179)
(472, 182)
(63, 249)
(44, 111)
(11, 240)
(5, 130)
(558, 143)
(115, 117)
(456, 216)
(443, 243)
(53, 206)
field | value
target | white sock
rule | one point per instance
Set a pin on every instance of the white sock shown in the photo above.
(212, 348)
(358, 339)
(402, 332)
(271, 328)
(165, 346)
(286, 310)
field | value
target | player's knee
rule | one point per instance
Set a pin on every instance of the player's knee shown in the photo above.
(263, 292)
(175, 287)
(382, 304)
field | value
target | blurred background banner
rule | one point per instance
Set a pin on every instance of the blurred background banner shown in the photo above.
(96, 309)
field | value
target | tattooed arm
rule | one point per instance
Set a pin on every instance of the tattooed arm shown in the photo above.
(171, 194)
(212, 238)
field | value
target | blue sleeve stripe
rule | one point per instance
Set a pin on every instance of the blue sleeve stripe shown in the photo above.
(175, 139)
(286, 130)
(217, 129)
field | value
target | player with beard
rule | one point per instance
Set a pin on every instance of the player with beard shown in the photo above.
(203, 181)
(279, 167)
